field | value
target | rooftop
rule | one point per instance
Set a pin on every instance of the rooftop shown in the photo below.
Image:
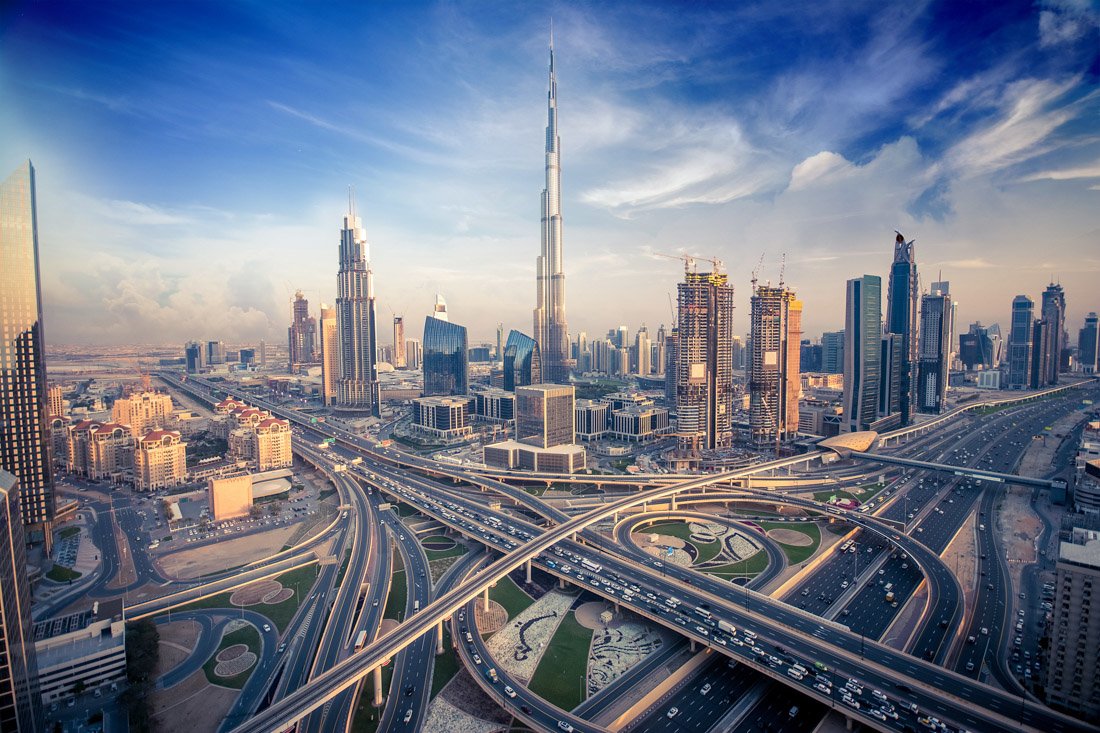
(1084, 550)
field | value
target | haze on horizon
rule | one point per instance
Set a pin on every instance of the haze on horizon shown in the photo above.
(193, 159)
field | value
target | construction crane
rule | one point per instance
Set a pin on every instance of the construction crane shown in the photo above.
(756, 271)
(690, 260)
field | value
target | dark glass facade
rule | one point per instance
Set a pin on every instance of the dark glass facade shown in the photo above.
(862, 352)
(24, 431)
(446, 365)
(901, 319)
(20, 709)
(522, 361)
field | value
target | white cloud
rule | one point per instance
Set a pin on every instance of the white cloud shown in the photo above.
(822, 167)
(1091, 170)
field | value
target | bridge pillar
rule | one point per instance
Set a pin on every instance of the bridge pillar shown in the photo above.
(615, 518)
(645, 507)
(692, 646)
(848, 723)
(486, 597)
(439, 637)
(561, 583)
(377, 687)
(672, 502)
(528, 571)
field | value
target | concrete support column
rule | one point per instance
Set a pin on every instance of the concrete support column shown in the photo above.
(561, 583)
(849, 724)
(692, 647)
(486, 603)
(377, 687)
(439, 637)
(615, 518)
(672, 502)
(528, 571)
(617, 609)
(645, 507)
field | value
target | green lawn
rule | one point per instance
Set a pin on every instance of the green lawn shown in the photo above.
(281, 613)
(750, 566)
(795, 553)
(396, 600)
(457, 551)
(446, 664)
(68, 532)
(509, 595)
(705, 550)
(560, 677)
(536, 490)
(247, 635)
(62, 574)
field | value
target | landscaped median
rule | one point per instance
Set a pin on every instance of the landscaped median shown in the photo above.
(561, 677)
(232, 664)
(278, 598)
(799, 540)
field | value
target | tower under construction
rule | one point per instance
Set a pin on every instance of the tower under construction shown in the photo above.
(774, 365)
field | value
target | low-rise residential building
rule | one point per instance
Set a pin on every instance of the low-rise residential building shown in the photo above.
(160, 460)
(99, 450)
(81, 652)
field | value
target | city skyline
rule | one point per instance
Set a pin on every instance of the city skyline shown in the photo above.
(676, 139)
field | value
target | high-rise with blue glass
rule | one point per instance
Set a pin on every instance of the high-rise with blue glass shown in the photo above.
(522, 361)
(862, 352)
(446, 360)
(901, 318)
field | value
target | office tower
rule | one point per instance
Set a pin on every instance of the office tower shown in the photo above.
(500, 345)
(20, 705)
(660, 351)
(522, 361)
(1054, 313)
(862, 352)
(356, 321)
(704, 362)
(301, 335)
(142, 412)
(901, 316)
(977, 347)
(832, 352)
(399, 360)
(215, 352)
(330, 354)
(997, 347)
(414, 353)
(551, 331)
(935, 350)
(247, 357)
(641, 346)
(439, 310)
(1019, 343)
(1088, 345)
(24, 429)
(671, 360)
(56, 401)
(1041, 339)
(889, 380)
(810, 359)
(774, 365)
(263, 353)
(194, 357)
(446, 360)
(1073, 668)
(545, 415)
(943, 286)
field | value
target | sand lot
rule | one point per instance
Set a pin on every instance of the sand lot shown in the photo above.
(228, 553)
(193, 705)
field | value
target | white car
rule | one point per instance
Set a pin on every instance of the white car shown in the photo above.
(673, 712)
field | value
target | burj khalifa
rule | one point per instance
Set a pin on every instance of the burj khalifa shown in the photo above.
(551, 331)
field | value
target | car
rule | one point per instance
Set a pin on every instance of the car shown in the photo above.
(673, 712)
(267, 627)
(705, 689)
(970, 666)
(565, 726)
(477, 658)
(409, 690)
(509, 691)
(408, 715)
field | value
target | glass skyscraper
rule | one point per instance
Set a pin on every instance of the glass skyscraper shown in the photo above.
(357, 384)
(20, 708)
(901, 317)
(935, 348)
(522, 361)
(24, 430)
(1019, 343)
(446, 361)
(862, 352)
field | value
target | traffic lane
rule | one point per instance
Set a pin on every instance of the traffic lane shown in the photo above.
(696, 711)
(773, 712)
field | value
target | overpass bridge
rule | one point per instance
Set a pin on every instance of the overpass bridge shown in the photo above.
(965, 471)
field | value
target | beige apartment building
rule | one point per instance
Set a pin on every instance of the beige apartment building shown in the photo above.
(99, 450)
(142, 412)
(229, 497)
(160, 460)
(1074, 663)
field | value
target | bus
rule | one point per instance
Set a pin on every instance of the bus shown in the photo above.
(361, 641)
(703, 613)
(589, 565)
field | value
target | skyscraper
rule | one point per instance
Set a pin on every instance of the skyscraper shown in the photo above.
(330, 354)
(414, 353)
(194, 357)
(1054, 313)
(832, 352)
(862, 352)
(24, 429)
(641, 346)
(704, 362)
(661, 347)
(936, 314)
(551, 331)
(302, 334)
(976, 347)
(215, 352)
(774, 366)
(20, 706)
(522, 361)
(399, 361)
(357, 386)
(1088, 345)
(446, 360)
(500, 345)
(1019, 343)
(439, 310)
(901, 316)
(545, 415)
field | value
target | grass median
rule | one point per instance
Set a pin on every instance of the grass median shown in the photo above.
(561, 677)
(797, 553)
(247, 635)
(510, 596)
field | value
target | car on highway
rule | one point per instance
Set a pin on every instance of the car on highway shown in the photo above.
(565, 726)
(673, 712)
(705, 689)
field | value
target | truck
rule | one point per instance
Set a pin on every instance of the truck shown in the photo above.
(727, 627)
(491, 675)
(890, 596)
(360, 641)
(416, 606)
(357, 460)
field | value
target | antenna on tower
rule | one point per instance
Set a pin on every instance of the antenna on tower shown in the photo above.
(351, 203)
(782, 269)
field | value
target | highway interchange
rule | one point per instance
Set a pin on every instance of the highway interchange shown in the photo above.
(320, 636)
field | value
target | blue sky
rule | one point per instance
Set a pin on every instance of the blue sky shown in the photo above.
(193, 158)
